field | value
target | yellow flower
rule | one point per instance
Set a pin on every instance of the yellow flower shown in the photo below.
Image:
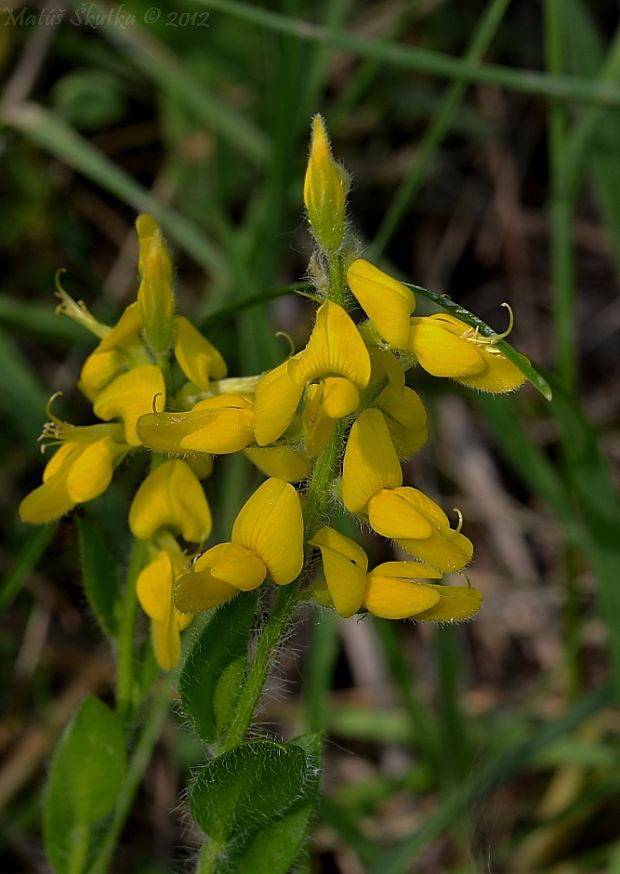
(370, 462)
(155, 294)
(131, 395)
(404, 411)
(398, 590)
(120, 349)
(218, 425)
(154, 588)
(344, 565)
(420, 526)
(79, 471)
(446, 346)
(171, 497)
(387, 303)
(325, 190)
(281, 462)
(198, 359)
(276, 400)
(266, 539)
(336, 361)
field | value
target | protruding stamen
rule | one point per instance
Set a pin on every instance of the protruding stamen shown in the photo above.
(76, 310)
(460, 517)
(289, 340)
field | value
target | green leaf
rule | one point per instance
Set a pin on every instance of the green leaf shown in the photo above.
(222, 644)
(85, 778)
(242, 793)
(102, 582)
(273, 849)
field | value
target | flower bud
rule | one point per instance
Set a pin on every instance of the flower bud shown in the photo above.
(325, 190)
(155, 295)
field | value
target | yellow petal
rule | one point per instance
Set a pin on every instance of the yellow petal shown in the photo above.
(335, 348)
(154, 587)
(91, 473)
(125, 332)
(370, 462)
(99, 369)
(413, 571)
(130, 396)
(420, 526)
(239, 566)
(344, 564)
(340, 397)
(223, 424)
(199, 589)
(392, 515)
(51, 500)
(499, 376)
(455, 603)
(282, 462)
(385, 363)
(271, 524)
(317, 426)
(276, 400)
(171, 497)
(441, 351)
(166, 642)
(397, 598)
(64, 455)
(202, 465)
(387, 303)
(198, 359)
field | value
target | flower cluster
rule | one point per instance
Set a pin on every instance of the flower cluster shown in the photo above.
(329, 425)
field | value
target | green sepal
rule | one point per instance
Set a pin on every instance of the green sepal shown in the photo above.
(100, 576)
(87, 771)
(208, 684)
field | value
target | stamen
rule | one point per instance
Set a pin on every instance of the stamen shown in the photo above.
(473, 335)
(460, 522)
(289, 339)
(76, 310)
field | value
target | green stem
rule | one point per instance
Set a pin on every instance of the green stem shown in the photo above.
(317, 501)
(141, 756)
(337, 291)
(127, 624)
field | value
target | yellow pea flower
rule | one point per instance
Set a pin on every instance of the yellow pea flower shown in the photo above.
(129, 396)
(198, 359)
(155, 294)
(344, 565)
(154, 589)
(120, 348)
(325, 189)
(282, 462)
(399, 589)
(446, 346)
(387, 302)
(403, 409)
(420, 526)
(171, 497)
(79, 471)
(370, 461)
(217, 425)
(335, 348)
(266, 539)
(276, 401)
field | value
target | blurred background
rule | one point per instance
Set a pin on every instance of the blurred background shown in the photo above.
(483, 141)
